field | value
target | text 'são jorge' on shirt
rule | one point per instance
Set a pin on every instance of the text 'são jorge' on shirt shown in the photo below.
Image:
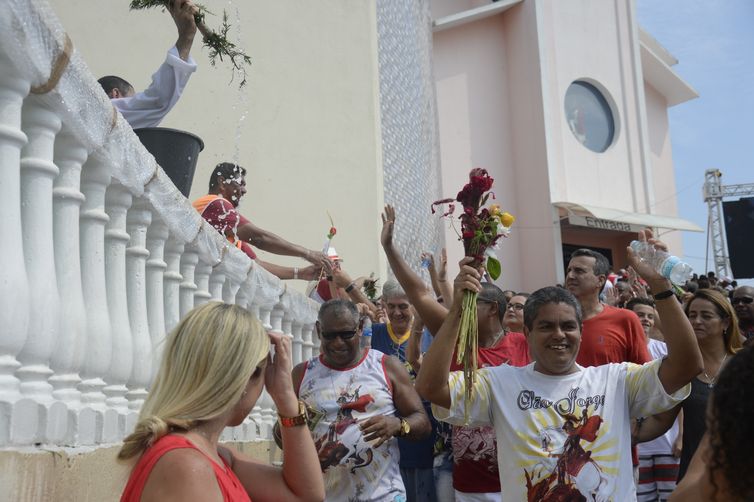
(562, 436)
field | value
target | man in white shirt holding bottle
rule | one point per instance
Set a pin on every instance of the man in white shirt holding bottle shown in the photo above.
(149, 107)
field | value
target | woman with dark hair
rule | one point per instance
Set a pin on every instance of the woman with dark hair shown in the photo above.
(716, 329)
(514, 313)
(722, 465)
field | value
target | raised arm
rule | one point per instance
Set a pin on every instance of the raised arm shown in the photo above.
(684, 359)
(431, 312)
(183, 12)
(352, 288)
(432, 381)
(272, 243)
(413, 348)
(300, 478)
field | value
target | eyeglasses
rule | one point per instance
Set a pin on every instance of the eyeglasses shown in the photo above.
(746, 300)
(515, 306)
(344, 335)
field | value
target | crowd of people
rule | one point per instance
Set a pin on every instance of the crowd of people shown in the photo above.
(581, 394)
(610, 387)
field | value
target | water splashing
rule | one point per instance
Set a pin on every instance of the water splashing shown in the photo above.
(241, 100)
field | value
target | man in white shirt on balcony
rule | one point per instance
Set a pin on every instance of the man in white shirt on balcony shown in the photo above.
(149, 107)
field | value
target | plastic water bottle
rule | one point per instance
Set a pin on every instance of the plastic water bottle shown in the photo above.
(667, 265)
(366, 333)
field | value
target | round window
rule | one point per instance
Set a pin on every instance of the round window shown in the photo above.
(589, 116)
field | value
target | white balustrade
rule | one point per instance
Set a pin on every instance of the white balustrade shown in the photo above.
(217, 282)
(37, 174)
(138, 220)
(157, 235)
(297, 331)
(189, 262)
(203, 273)
(100, 331)
(67, 357)
(172, 283)
(14, 309)
(102, 256)
(307, 346)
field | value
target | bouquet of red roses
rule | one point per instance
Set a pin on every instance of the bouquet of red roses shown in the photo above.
(481, 228)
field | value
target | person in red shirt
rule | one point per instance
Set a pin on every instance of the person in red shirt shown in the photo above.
(609, 334)
(227, 184)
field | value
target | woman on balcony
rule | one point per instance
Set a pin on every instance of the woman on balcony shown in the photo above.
(214, 367)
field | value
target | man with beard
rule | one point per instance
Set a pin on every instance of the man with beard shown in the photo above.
(227, 184)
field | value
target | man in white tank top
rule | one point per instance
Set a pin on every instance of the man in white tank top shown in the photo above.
(359, 401)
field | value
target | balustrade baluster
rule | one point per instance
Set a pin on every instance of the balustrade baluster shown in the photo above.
(137, 221)
(156, 266)
(230, 289)
(297, 342)
(14, 307)
(95, 178)
(217, 282)
(307, 347)
(70, 347)
(189, 262)
(173, 278)
(265, 402)
(118, 200)
(202, 294)
(37, 174)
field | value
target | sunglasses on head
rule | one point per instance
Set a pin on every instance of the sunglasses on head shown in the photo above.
(744, 299)
(344, 335)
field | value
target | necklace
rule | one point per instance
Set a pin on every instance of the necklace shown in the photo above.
(398, 340)
(711, 379)
(495, 340)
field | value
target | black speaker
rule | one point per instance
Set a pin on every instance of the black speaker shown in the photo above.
(739, 232)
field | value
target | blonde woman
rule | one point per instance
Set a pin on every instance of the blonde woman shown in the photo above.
(214, 366)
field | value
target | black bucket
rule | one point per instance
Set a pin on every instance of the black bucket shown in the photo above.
(175, 151)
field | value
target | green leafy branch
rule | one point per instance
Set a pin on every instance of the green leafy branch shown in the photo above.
(215, 40)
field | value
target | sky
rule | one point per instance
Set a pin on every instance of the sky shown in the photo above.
(713, 42)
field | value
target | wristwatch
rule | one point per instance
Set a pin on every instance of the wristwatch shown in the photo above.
(405, 428)
(300, 419)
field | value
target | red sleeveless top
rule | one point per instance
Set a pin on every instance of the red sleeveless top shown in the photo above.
(230, 486)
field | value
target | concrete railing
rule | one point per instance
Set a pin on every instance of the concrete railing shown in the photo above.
(100, 254)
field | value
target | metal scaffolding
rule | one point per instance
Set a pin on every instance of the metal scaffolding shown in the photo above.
(714, 192)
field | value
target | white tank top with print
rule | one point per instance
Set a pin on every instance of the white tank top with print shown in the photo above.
(338, 400)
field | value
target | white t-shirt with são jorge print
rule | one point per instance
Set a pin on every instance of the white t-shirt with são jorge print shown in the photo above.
(561, 436)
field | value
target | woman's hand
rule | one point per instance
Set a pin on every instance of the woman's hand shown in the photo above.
(277, 376)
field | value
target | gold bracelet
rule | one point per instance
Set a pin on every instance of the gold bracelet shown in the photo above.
(300, 419)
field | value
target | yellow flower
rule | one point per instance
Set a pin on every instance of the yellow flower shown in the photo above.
(507, 219)
(495, 210)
